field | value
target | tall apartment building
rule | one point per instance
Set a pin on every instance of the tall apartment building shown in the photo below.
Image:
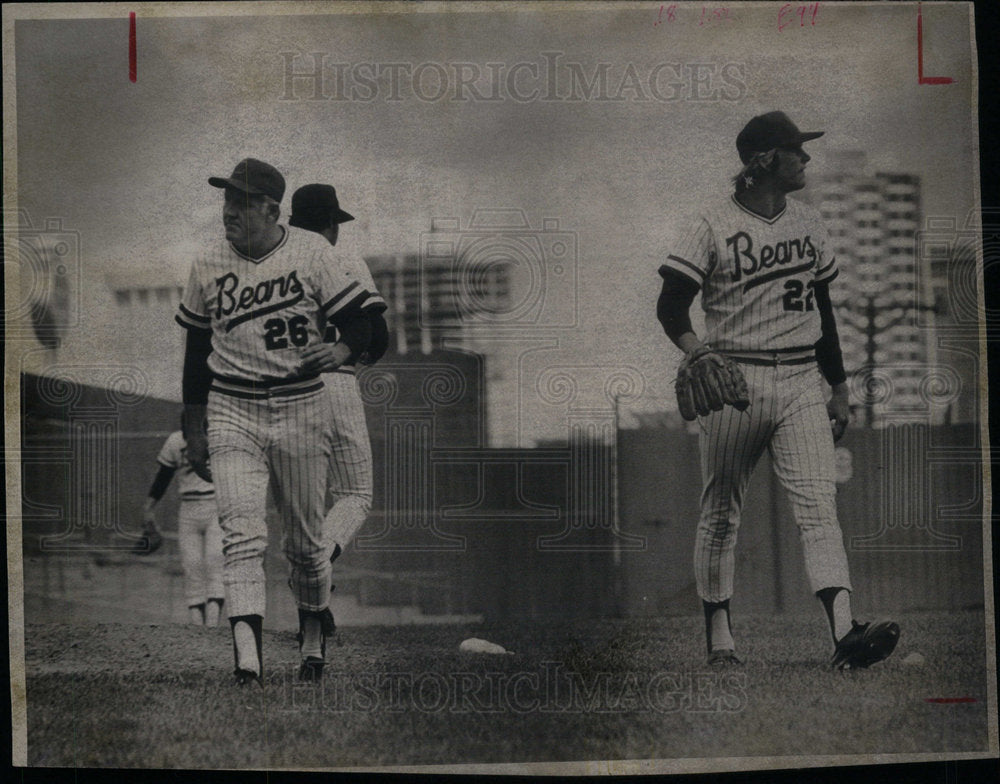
(434, 302)
(874, 218)
(448, 303)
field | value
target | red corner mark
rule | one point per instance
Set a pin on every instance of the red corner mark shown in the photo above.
(132, 66)
(949, 700)
(921, 79)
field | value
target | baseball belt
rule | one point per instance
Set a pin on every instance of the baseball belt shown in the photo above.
(772, 358)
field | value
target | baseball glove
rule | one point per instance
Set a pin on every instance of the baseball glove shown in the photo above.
(707, 381)
(149, 542)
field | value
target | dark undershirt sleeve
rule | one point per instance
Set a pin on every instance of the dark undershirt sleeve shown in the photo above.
(828, 354)
(197, 377)
(161, 482)
(355, 333)
(380, 338)
(674, 305)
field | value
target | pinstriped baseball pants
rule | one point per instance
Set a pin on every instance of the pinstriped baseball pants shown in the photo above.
(788, 417)
(285, 440)
(349, 493)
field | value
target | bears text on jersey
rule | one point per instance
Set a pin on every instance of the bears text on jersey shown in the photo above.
(228, 303)
(746, 262)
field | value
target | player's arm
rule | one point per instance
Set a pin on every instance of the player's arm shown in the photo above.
(377, 345)
(831, 361)
(195, 385)
(380, 340)
(684, 272)
(160, 484)
(197, 378)
(673, 309)
(354, 300)
(344, 342)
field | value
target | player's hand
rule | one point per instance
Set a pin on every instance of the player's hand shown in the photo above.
(839, 409)
(197, 455)
(324, 357)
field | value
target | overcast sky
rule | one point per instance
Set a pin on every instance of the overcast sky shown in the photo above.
(126, 163)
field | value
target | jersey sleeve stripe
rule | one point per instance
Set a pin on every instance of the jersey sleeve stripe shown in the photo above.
(364, 302)
(195, 318)
(824, 270)
(686, 268)
(332, 306)
(183, 320)
(828, 278)
(375, 305)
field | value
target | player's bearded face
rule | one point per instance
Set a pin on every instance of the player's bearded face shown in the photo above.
(790, 167)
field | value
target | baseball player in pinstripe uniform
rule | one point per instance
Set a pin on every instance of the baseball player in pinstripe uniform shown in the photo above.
(199, 536)
(256, 309)
(316, 208)
(763, 265)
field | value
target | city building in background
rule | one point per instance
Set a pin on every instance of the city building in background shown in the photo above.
(433, 302)
(884, 298)
(139, 308)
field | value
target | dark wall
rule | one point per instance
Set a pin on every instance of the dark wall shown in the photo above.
(542, 532)
(911, 513)
(88, 459)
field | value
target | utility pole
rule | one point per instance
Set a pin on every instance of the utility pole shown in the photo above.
(865, 310)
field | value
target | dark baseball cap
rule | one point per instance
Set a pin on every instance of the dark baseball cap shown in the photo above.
(315, 207)
(255, 177)
(767, 131)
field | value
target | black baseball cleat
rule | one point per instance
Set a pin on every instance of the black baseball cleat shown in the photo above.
(865, 645)
(723, 658)
(247, 677)
(311, 669)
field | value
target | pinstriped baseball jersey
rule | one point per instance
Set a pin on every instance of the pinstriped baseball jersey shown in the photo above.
(173, 454)
(757, 274)
(264, 312)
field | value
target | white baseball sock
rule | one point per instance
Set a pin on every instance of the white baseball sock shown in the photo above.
(246, 647)
(842, 616)
(837, 603)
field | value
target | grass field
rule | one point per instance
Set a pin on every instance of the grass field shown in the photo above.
(162, 696)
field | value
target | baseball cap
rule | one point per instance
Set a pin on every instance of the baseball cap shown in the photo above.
(315, 207)
(767, 131)
(255, 177)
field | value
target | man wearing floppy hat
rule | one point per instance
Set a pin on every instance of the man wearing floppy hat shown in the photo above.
(316, 208)
(763, 263)
(255, 306)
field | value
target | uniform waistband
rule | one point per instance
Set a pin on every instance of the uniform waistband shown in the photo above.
(772, 358)
(262, 389)
(198, 495)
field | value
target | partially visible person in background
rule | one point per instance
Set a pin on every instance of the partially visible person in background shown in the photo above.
(316, 208)
(199, 535)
